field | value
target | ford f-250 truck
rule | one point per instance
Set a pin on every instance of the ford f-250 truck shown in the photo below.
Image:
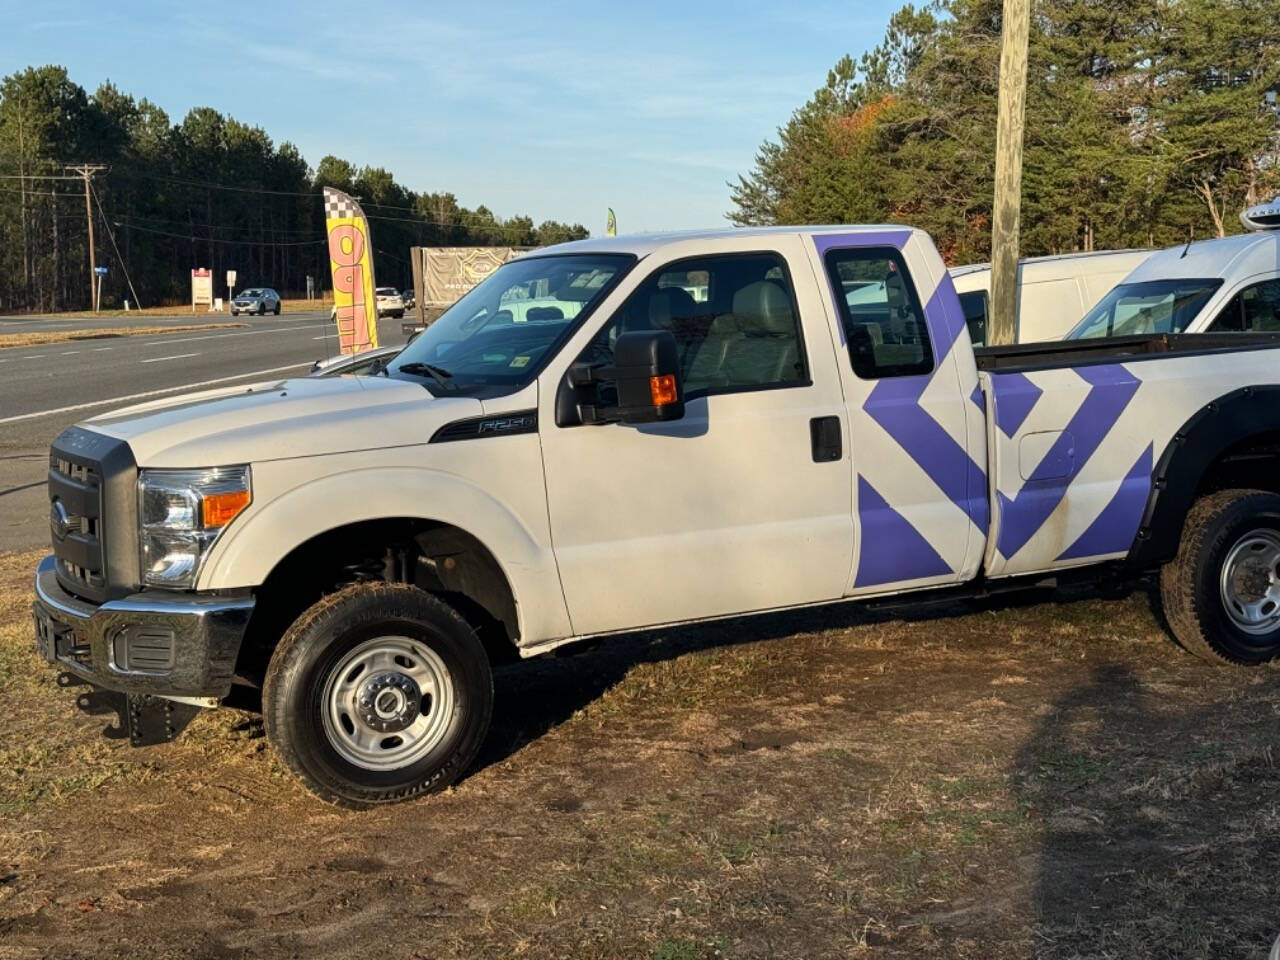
(687, 427)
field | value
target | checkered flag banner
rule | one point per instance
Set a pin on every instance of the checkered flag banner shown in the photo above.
(338, 205)
(351, 263)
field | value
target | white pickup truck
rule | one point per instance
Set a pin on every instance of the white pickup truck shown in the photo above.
(687, 427)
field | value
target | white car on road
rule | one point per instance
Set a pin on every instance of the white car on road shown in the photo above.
(390, 303)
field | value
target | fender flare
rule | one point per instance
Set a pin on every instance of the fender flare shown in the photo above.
(1195, 447)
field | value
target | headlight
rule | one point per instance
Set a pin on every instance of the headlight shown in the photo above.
(180, 515)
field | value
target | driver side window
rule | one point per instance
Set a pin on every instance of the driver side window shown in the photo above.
(1255, 309)
(734, 319)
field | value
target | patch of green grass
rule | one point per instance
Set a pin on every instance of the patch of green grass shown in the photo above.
(682, 949)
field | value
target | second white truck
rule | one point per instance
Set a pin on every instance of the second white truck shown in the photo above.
(685, 427)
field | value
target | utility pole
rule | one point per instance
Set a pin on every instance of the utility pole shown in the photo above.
(87, 170)
(1007, 205)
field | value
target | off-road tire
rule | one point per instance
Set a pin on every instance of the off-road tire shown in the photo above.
(314, 645)
(1189, 583)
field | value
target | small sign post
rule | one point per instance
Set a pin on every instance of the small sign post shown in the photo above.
(231, 282)
(97, 300)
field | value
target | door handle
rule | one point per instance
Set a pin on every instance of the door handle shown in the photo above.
(824, 434)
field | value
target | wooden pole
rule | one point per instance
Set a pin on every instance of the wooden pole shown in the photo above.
(87, 170)
(1007, 204)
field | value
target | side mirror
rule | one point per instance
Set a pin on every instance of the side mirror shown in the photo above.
(646, 374)
(646, 367)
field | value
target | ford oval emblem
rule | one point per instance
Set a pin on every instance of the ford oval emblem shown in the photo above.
(59, 519)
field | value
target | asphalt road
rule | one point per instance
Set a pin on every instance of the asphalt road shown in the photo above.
(47, 388)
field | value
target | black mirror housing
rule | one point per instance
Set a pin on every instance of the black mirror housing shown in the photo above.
(646, 368)
(645, 374)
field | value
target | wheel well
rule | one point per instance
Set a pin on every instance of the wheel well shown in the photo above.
(442, 559)
(1249, 465)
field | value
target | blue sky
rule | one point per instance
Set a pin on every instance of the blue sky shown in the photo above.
(557, 110)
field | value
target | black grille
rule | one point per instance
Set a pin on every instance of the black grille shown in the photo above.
(75, 519)
(92, 481)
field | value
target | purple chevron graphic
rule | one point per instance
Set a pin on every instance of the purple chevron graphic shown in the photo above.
(978, 400)
(1112, 387)
(1015, 396)
(1115, 527)
(894, 403)
(869, 238)
(892, 550)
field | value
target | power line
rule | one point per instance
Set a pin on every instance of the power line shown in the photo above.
(123, 266)
(37, 176)
(195, 239)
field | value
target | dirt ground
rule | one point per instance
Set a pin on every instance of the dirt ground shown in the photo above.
(1042, 779)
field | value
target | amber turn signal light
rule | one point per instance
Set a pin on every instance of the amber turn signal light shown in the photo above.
(219, 509)
(663, 389)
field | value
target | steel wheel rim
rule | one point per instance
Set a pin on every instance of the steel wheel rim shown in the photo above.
(1250, 582)
(387, 703)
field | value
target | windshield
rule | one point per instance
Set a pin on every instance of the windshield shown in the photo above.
(386, 292)
(499, 333)
(251, 293)
(1156, 306)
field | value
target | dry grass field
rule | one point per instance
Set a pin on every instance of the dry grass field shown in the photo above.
(1045, 779)
(35, 338)
(178, 309)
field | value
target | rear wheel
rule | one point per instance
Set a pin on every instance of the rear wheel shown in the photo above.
(277, 309)
(1221, 593)
(378, 693)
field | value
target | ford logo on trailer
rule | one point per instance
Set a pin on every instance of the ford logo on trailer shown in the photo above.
(1263, 216)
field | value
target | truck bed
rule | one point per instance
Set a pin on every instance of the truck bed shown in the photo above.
(1073, 353)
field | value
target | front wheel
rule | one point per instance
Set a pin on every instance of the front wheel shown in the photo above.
(1221, 593)
(377, 693)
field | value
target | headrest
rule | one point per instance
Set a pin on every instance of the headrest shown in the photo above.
(764, 307)
(668, 305)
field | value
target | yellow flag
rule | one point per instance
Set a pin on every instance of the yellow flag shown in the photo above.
(611, 225)
(351, 260)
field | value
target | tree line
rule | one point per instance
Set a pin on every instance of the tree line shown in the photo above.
(209, 191)
(1148, 122)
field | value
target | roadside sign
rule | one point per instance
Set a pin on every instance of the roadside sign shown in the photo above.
(231, 278)
(100, 271)
(201, 287)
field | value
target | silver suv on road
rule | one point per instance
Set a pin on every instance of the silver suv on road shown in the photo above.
(259, 300)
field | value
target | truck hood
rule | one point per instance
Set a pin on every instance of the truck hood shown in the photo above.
(281, 420)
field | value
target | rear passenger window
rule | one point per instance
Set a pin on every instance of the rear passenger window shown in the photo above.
(734, 319)
(974, 306)
(883, 323)
(1255, 309)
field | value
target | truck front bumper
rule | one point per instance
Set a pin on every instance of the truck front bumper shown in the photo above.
(179, 646)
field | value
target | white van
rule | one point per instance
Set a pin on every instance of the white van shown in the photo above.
(1053, 292)
(1224, 285)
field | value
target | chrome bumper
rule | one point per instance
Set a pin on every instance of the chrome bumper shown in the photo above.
(179, 646)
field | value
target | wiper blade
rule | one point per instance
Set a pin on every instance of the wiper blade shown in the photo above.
(439, 374)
